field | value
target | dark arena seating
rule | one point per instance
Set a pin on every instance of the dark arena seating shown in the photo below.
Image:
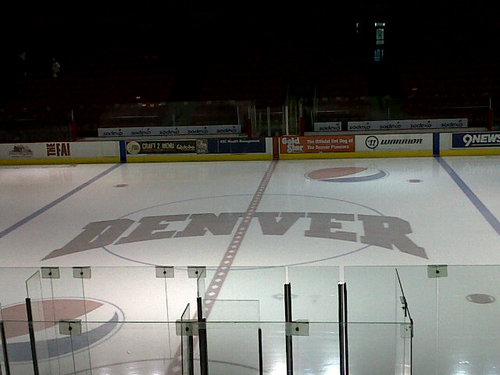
(369, 61)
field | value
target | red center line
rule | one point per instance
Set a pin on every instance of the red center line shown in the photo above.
(222, 271)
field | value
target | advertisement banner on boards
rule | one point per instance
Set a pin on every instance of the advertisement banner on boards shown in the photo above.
(455, 123)
(36, 150)
(21, 151)
(166, 147)
(236, 146)
(401, 142)
(317, 144)
(328, 126)
(54, 150)
(169, 131)
(475, 140)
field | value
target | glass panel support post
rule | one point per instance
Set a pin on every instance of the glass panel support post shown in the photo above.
(29, 313)
(343, 332)
(288, 320)
(261, 360)
(187, 328)
(407, 327)
(71, 328)
(202, 335)
(4, 349)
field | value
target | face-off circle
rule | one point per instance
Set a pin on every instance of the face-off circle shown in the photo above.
(283, 224)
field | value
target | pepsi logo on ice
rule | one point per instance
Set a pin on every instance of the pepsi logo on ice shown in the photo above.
(48, 333)
(346, 174)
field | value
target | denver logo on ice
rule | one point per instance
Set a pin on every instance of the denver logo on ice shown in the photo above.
(346, 174)
(333, 227)
(54, 310)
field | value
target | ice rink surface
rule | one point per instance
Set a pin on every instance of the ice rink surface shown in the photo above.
(45, 208)
(314, 221)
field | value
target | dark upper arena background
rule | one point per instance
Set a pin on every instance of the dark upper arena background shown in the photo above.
(437, 55)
